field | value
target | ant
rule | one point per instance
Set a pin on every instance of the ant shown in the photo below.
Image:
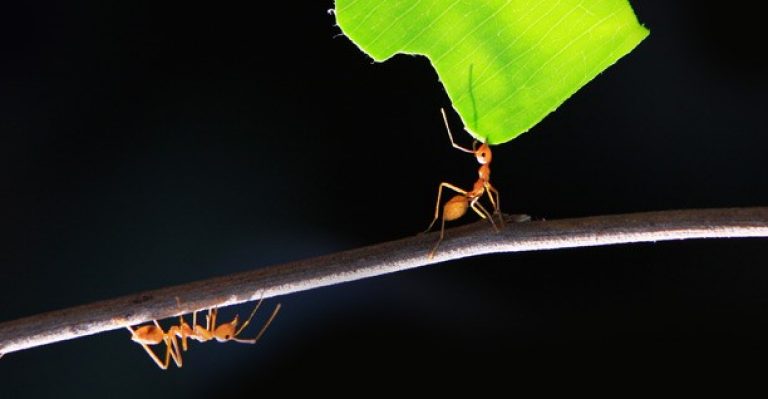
(153, 334)
(457, 206)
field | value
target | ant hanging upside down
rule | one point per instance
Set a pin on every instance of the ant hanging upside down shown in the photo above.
(457, 206)
(153, 334)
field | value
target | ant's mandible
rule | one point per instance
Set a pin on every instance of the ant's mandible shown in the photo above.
(457, 206)
(153, 334)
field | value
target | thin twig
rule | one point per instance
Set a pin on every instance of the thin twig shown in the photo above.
(470, 240)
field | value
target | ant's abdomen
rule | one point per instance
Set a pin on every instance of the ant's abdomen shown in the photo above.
(455, 208)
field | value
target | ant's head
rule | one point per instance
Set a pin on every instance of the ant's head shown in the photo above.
(226, 331)
(482, 153)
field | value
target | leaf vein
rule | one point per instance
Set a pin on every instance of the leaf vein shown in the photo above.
(554, 56)
(394, 22)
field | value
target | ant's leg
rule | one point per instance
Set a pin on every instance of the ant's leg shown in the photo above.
(480, 210)
(175, 332)
(439, 240)
(186, 333)
(208, 319)
(151, 353)
(450, 136)
(183, 333)
(173, 348)
(242, 327)
(214, 313)
(495, 202)
(163, 365)
(200, 333)
(493, 196)
(450, 212)
(263, 329)
(437, 204)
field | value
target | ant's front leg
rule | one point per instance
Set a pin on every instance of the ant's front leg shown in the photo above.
(263, 328)
(450, 136)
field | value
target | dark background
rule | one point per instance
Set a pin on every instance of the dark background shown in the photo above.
(143, 146)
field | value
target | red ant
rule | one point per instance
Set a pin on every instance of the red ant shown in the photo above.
(153, 334)
(457, 206)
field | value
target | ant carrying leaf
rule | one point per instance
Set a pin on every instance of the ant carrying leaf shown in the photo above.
(457, 206)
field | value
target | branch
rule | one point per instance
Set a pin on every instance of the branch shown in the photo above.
(470, 240)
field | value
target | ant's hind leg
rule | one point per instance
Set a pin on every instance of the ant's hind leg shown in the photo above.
(437, 204)
(152, 354)
(162, 365)
(453, 209)
(439, 240)
(174, 349)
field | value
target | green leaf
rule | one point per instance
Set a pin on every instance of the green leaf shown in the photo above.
(505, 64)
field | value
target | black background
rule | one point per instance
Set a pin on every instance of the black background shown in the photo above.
(146, 145)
